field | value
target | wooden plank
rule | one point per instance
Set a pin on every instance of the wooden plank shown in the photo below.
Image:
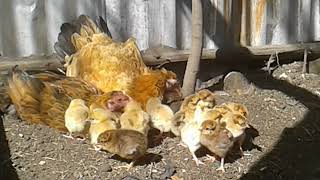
(31, 63)
(157, 57)
(162, 54)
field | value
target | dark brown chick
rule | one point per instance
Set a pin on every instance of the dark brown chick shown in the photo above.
(217, 139)
(128, 144)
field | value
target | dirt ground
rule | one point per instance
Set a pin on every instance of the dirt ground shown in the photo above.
(284, 109)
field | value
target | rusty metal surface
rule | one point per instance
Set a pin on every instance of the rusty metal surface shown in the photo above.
(31, 26)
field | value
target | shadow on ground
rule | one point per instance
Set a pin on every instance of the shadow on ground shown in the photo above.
(7, 171)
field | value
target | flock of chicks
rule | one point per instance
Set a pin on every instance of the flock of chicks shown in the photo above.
(123, 127)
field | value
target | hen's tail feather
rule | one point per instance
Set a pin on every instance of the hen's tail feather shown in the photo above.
(83, 26)
(24, 91)
(102, 24)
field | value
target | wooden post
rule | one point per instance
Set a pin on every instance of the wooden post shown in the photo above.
(193, 63)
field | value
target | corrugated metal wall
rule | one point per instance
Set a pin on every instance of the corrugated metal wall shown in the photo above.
(31, 26)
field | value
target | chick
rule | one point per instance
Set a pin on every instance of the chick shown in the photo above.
(196, 105)
(193, 108)
(135, 118)
(235, 117)
(76, 117)
(235, 123)
(160, 115)
(236, 108)
(101, 120)
(216, 138)
(190, 136)
(128, 144)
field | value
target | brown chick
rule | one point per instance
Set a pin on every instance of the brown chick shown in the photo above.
(160, 115)
(76, 117)
(135, 118)
(217, 139)
(128, 144)
(101, 120)
(190, 133)
(236, 122)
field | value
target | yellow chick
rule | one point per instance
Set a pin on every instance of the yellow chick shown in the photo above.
(193, 108)
(236, 108)
(76, 117)
(101, 120)
(135, 118)
(160, 115)
(190, 136)
(235, 117)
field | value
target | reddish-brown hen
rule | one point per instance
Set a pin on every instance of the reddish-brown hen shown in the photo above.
(90, 54)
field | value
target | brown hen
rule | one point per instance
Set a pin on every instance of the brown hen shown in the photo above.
(44, 98)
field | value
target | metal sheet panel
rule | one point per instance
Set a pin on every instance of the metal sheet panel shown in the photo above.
(31, 26)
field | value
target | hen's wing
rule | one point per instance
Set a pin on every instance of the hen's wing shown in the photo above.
(45, 99)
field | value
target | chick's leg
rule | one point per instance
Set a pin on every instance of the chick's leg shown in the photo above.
(198, 162)
(68, 136)
(96, 148)
(82, 138)
(221, 168)
(129, 166)
(211, 158)
(182, 144)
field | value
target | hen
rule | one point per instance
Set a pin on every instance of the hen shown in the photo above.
(43, 98)
(90, 54)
